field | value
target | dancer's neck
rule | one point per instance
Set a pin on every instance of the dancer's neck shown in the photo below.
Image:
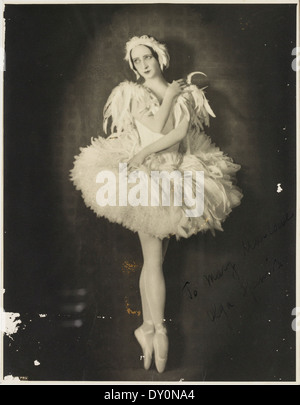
(158, 86)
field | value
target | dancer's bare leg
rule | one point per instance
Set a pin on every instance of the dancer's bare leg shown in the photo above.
(145, 306)
(153, 294)
(152, 278)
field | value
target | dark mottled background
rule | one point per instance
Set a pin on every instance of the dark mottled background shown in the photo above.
(230, 297)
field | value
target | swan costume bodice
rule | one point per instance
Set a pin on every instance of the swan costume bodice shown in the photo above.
(148, 137)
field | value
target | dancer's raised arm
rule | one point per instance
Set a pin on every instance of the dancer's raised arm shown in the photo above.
(157, 121)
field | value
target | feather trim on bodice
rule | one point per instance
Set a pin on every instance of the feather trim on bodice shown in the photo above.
(191, 104)
(118, 106)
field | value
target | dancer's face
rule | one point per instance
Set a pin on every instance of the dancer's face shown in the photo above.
(144, 62)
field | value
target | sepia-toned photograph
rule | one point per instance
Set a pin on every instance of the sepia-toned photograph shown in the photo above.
(149, 193)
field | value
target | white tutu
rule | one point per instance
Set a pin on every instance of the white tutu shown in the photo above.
(195, 154)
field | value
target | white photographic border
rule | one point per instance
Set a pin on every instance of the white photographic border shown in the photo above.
(2, 283)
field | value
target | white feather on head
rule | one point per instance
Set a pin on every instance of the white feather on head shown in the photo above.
(160, 49)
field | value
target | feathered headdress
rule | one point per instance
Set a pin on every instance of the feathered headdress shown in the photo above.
(160, 49)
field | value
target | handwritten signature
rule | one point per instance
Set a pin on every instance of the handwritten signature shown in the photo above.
(250, 245)
(211, 278)
(190, 293)
(248, 289)
(218, 310)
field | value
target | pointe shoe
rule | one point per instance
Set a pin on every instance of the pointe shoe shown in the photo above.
(161, 347)
(145, 339)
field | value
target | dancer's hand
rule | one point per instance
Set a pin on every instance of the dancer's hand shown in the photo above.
(136, 161)
(176, 88)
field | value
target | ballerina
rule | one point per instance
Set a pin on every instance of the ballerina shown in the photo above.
(156, 127)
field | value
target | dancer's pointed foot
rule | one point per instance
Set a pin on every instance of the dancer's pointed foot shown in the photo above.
(144, 335)
(161, 347)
